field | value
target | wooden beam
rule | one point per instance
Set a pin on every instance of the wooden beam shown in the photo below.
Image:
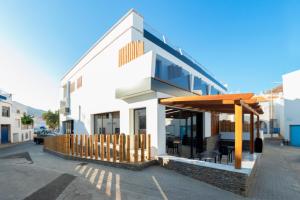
(257, 127)
(249, 108)
(241, 96)
(251, 133)
(238, 135)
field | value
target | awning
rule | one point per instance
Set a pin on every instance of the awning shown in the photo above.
(224, 103)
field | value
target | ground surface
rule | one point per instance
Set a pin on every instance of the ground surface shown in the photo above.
(32, 175)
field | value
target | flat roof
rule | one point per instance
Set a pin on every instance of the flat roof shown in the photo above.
(223, 103)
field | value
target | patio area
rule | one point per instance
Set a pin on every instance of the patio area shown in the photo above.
(221, 157)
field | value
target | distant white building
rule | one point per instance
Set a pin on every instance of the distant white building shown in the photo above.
(291, 93)
(271, 101)
(11, 128)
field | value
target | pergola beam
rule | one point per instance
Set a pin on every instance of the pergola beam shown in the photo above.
(238, 135)
(251, 133)
(248, 108)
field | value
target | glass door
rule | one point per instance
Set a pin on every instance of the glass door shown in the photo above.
(140, 121)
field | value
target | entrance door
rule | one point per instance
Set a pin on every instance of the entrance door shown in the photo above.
(4, 134)
(68, 127)
(140, 121)
(295, 135)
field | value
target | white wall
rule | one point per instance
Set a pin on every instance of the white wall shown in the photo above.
(291, 93)
(101, 76)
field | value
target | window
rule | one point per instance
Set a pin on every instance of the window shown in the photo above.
(18, 111)
(5, 111)
(214, 91)
(200, 85)
(3, 97)
(107, 123)
(140, 121)
(171, 73)
(72, 87)
(65, 90)
(79, 82)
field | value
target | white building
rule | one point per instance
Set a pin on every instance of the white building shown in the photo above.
(272, 103)
(12, 129)
(291, 93)
(115, 86)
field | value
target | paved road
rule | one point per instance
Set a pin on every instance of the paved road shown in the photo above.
(278, 177)
(20, 178)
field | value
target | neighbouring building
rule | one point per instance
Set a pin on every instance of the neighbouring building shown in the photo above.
(116, 86)
(291, 95)
(272, 103)
(11, 112)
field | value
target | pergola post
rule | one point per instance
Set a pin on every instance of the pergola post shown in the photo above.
(238, 110)
(251, 133)
(257, 127)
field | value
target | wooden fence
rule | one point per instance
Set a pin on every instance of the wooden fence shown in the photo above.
(109, 147)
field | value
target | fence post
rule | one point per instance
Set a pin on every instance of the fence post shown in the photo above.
(149, 147)
(76, 144)
(102, 146)
(121, 145)
(81, 146)
(114, 147)
(108, 147)
(86, 145)
(91, 146)
(128, 148)
(68, 144)
(143, 148)
(72, 144)
(96, 146)
(136, 141)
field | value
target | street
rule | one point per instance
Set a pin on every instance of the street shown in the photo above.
(26, 172)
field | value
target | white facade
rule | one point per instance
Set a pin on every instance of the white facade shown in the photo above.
(291, 93)
(10, 121)
(106, 87)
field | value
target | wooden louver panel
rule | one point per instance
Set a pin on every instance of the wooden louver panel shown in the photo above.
(130, 51)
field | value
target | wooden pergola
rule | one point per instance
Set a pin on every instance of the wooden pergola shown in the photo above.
(237, 104)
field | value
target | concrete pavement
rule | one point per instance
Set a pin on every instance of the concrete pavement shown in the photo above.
(95, 181)
(277, 177)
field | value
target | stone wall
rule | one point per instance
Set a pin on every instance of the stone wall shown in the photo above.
(225, 179)
(124, 165)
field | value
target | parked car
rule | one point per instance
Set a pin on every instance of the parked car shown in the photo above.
(39, 130)
(39, 138)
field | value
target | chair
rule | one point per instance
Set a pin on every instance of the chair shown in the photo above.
(223, 151)
(170, 145)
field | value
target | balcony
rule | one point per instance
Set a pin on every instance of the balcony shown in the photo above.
(145, 75)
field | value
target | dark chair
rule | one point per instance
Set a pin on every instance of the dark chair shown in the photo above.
(224, 151)
(170, 145)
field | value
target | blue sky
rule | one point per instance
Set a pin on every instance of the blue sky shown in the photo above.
(246, 44)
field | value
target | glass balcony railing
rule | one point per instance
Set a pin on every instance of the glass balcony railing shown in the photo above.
(183, 54)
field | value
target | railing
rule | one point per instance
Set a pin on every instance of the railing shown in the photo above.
(109, 147)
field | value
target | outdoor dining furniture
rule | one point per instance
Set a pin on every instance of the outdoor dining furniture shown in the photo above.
(173, 144)
(228, 151)
(209, 156)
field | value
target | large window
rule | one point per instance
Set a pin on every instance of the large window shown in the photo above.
(107, 123)
(5, 111)
(200, 85)
(140, 121)
(214, 91)
(171, 73)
